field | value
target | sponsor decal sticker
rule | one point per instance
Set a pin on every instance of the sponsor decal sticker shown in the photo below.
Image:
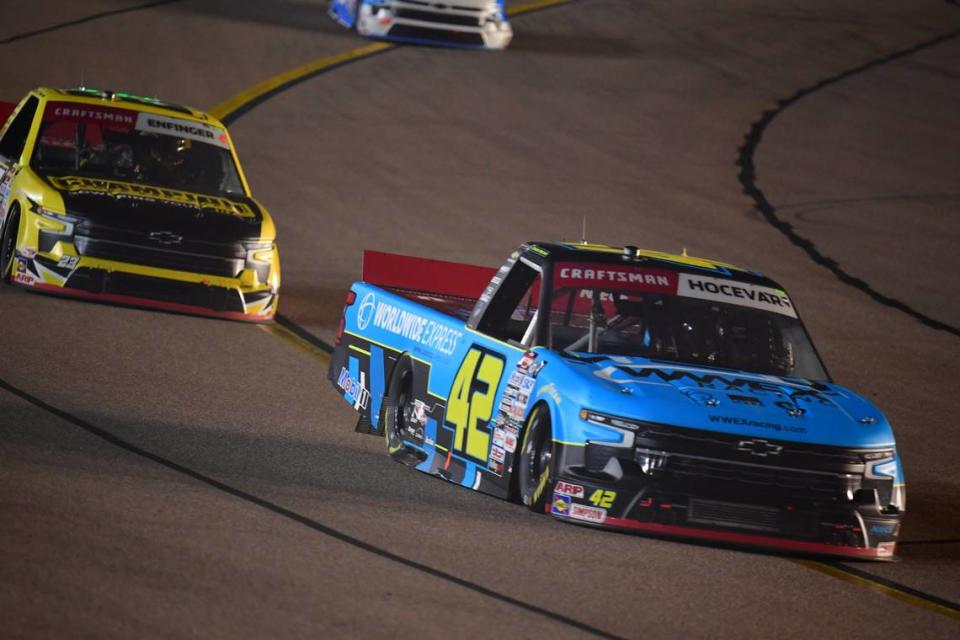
(588, 514)
(353, 390)
(516, 411)
(757, 424)
(560, 506)
(758, 384)
(6, 180)
(499, 437)
(412, 326)
(616, 277)
(21, 273)
(122, 119)
(179, 128)
(526, 385)
(568, 489)
(738, 293)
(420, 412)
(510, 438)
(526, 360)
(118, 189)
(365, 311)
(497, 454)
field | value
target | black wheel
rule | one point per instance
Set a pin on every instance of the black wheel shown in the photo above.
(535, 473)
(398, 411)
(8, 243)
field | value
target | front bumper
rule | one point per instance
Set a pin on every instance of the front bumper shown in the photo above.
(433, 23)
(736, 499)
(135, 285)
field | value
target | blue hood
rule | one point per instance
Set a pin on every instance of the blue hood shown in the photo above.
(724, 400)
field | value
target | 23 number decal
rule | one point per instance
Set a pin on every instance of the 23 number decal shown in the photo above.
(470, 403)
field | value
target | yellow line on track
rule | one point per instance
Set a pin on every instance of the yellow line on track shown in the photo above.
(527, 7)
(250, 94)
(878, 587)
(245, 97)
(279, 331)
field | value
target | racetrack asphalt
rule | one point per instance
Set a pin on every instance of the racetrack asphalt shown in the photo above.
(170, 476)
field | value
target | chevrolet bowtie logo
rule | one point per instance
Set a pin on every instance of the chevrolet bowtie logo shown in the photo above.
(166, 237)
(759, 448)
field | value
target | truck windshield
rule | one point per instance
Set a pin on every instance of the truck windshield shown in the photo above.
(109, 143)
(625, 310)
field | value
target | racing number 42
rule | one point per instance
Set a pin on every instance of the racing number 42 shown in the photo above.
(470, 403)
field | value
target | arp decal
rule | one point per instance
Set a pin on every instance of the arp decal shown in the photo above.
(569, 489)
(77, 184)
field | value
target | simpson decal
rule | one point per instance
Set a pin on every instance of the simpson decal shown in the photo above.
(738, 293)
(182, 129)
(614, 277)
(76, 184)
(588, 514)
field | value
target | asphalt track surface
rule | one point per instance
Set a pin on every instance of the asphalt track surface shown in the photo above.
(169, 476)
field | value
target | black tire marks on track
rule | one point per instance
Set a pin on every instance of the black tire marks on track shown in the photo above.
(748, 179)
(302, 333)
(117, 441)
(85, 19)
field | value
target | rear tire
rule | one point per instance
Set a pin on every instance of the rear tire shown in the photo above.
(398, 408)
(8, 243)
(535, 473)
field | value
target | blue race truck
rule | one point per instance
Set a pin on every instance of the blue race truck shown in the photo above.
(621, 388)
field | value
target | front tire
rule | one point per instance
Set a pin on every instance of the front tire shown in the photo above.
(8, 243)
(535, 473)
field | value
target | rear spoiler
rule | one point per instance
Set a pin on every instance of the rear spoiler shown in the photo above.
(391, 270)
(6, 108)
